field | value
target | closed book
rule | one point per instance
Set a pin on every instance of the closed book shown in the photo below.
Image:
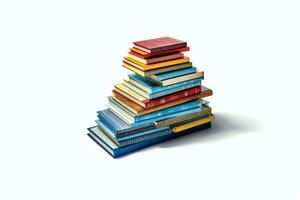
(172, 74)
(193, 124)
(159, 44)
(156, 71)
(156, 59)
(177, 114)
(179, 79)
(133, 138)
(170, 122)
(119, 126)
(145, 67)
(142, 54)
(147, 104)
(139, 110)
(155, 95)
(133, 118)
(111, 148)
(151, 87)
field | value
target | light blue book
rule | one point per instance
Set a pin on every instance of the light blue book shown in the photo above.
(173, 74)
(154, 88)
(136, 137)
(170, 110)
(177, 114)
(165, 90)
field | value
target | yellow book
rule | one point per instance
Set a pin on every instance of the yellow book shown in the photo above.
(156, 71)
(146, 67)
(193, 124)
(128, 91)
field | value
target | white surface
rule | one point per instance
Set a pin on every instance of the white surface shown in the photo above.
(59, 60)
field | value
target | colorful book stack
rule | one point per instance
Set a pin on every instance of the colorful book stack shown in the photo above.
(161, 100)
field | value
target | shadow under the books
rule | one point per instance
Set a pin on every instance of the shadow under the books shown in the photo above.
(225, 126)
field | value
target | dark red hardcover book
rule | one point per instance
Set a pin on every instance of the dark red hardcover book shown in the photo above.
(145, 55)
(159, 44)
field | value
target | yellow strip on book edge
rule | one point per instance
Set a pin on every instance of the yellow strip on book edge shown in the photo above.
(193, 124)
(125, 89)
(159, 65)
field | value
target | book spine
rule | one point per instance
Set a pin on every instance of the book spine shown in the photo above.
(172, 97)
(167, 111)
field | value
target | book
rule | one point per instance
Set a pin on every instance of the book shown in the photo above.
(142, 54)
(156, 59)
(145, 67)
(177, 114)
(193, 124)
(121, 88)
(119, 126)
(169, 122)
(150, 87)
(155, 95)
(159, 44)
(132, 118)
(172, 74)
(179, 79)
(112, 149)
(156, 71)
(133, 138)
(147, 104)
(139, 110)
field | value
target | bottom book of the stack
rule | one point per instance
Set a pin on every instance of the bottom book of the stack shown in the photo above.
(118, 137)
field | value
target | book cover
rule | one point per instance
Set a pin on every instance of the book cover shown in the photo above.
(177, 114)
(142, 54)
(173, 74)
(150, 96)
(145, 67)
(159, 44)
(142, 82)
(155, 71)
(133, 138)
(179, 79)
(193, 124)
(169, 122)
(139, 110)
(147, 104)
(119, 126)
(156, 59)
(111, 148)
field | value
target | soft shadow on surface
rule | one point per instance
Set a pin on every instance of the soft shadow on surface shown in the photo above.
(226, 125)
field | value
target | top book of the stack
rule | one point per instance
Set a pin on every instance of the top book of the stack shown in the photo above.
(161, 44)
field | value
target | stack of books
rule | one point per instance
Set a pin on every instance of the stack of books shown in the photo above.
(162, 99)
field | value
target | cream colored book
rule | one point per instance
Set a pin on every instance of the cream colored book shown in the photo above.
(128, 91)
(157, 59)
(178, 79)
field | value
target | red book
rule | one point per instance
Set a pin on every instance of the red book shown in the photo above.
(147, 104)
(144, 55)
(159, 44)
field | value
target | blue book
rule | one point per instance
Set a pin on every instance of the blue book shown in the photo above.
(177, 114)
(109, 146)
(119, 126)
(170, 110)
(136, 137)
(164, 90)
(173, 74)
(154, 88)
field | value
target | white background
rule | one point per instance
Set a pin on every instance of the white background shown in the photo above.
(60, 59)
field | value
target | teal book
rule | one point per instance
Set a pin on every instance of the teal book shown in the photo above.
(173, 74)
(154, 88)
(115, 151)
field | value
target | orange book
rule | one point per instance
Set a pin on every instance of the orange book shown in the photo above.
(146, 67)
(144, 55)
